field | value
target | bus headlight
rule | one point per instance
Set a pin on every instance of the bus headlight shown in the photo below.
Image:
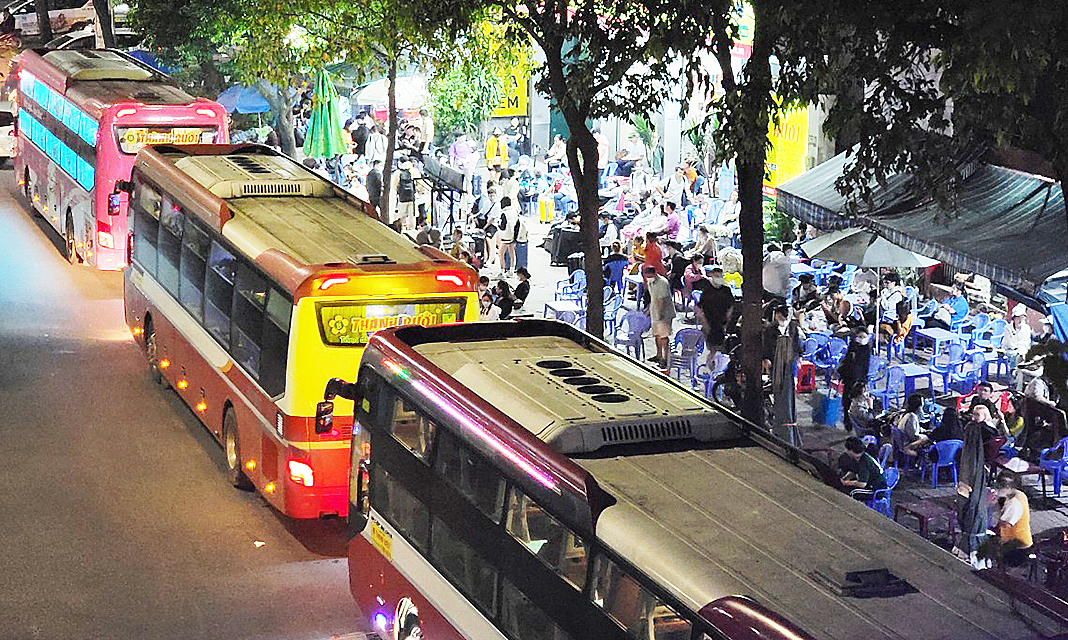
(301, 473)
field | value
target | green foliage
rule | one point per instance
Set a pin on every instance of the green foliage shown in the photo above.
(778, 227)
(463, 97)
(645, 132)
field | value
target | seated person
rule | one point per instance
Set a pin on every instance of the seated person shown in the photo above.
(836, 309)
(865, 474)
(861, 407)
(952, 310)
(1014, 521)
(916, 438)
(694, 272)
(522, 290)
(984, 392)
(806, 296)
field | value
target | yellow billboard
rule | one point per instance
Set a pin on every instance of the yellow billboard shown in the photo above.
(789, 146)
(515, 83)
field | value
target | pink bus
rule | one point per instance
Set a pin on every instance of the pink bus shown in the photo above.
(82, 117)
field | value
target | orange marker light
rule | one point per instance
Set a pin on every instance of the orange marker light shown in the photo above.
(137, 331)
(250, 465)
(164, 363)
(182, 384)
(269, 487)
(202, 406)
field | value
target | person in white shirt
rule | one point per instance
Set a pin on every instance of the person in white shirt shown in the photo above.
(1017, 340)
(891, 294)
(674, 186)
(509, 216)
(776, 272)
(607, 230)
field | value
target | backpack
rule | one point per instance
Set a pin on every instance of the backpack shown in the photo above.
(405, 187)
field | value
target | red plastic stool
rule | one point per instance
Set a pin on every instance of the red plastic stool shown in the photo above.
(806, 377)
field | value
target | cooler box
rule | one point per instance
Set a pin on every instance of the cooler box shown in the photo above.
(826, 409)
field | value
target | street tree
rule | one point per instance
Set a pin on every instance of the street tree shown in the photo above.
(599, 60)
(44, 23)
(869, 62)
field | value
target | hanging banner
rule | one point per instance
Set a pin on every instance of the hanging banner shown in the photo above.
(789, 145)
(515, 83)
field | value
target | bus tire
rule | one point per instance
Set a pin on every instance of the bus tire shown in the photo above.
(70, 242)
(152, 351)
(232, 452)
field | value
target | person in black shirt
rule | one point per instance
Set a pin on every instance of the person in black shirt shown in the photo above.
(715, 307)
(854, 369)
(522, 290)
(676, 264)
(503, 300)
(806, 296)
(374, 184)
(865, 474)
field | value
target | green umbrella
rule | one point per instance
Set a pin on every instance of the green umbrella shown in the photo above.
(323, 139)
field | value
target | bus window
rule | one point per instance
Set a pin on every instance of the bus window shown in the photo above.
(548, 539)
(146, 227)
(466, 568)
(633, 607)
(195, 244)
(247, 327)
(401, 508)
(411, 429)
(275, 345)
(170, 247)
(470, 474)
(219, 293)
(523, 620)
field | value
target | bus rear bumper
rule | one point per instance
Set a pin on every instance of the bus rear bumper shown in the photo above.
(304, 503)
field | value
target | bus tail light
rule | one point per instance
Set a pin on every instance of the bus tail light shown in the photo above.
(103, 235)
(301, 473)
(452, 277)
(331, 280)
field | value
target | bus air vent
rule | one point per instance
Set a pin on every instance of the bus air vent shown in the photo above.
(374, 258)
(654, 430)
(272, 189)
(249, 165)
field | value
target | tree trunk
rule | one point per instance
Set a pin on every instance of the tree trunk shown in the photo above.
(103, 19)
(386, 202)
(751, 231)
(44, 23)
(283, 126)
(582, 159)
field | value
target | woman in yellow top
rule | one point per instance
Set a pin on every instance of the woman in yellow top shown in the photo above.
(1014, 523)
(496, 153)
(637, 254)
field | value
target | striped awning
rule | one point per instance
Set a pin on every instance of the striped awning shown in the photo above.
(1009, 226)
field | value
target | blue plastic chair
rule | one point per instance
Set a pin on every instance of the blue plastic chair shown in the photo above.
(970, 373)
(612, 310)
(894, 387)
(635, 324)
(895, 347)
(898, 441)
(1056, 465)
(954, 356)
(880, 500)
(946, 452)
(828, 358)
(573, 318)
(927, 310)
(985, 339)
(574, 288)
(684, 351)
(809, 347)
(616, 270)
(876, 371)
(884, 454)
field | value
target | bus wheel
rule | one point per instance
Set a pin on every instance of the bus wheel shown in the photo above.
(232, 449)
(152, 350)
(72, 250)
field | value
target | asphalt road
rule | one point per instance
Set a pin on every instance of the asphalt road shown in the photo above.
(116, 520)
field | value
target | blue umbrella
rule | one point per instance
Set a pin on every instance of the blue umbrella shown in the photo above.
(243, 100)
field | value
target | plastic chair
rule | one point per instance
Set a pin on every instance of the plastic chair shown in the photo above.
(927, 310)
(635, 323)
(894, 387)
(970, 373)
(684, 350)
(616, 270)
(1056, 465)
(884, 454)
(809, 347)
(573, 288)
(822, 339)
(573, 318)
(880, 500)
(898, 440)
(997, 357)
(828, 358)
(994, 331)
(946, 452)
(876, 371)
(895, 347)
(612, 310)
(608, 293)
(954, 358)
(910, 295)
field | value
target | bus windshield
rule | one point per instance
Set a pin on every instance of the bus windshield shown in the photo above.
(351, 323)
(133, 139)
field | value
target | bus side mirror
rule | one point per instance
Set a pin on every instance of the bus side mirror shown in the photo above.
(124, 186)
(324, 416)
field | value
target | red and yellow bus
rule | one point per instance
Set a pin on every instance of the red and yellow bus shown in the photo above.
(82, 117)
(253, 281)
(523, 481)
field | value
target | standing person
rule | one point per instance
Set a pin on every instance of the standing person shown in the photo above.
(506, 248)
(374, 185)
(781, 346)
(674, 187)
(360, 135)
(521, 242)
(426, 126)
(676, 264)
(661, 312)
(404, 190)
(853, 370)
(776, 274)
(715, 306)
(496, 153)
(971, 487)
(602, 148)
(376, 144)
(654, 255)
(346, 135)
